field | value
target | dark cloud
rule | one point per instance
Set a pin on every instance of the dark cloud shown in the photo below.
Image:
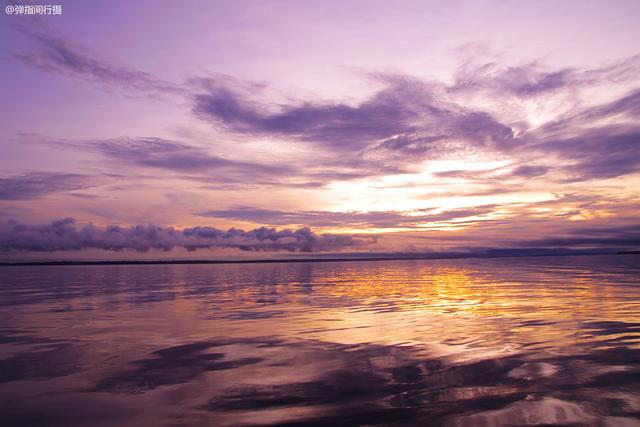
(598, 142)
(405, 116)
(381, 219)
(383, 115)
(57, 55)
(594, 153)
(64, 235)
(609, 155)
(407, 122)
(36, 185)
(620, 236)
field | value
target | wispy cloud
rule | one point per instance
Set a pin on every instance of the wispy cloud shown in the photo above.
(58, 55)
(591, 144)
(616, 236)
(180, 157)
(37, 185)
(533, 79)
(199, 163)
(381, 219)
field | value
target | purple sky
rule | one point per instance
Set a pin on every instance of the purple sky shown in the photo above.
(149, 129)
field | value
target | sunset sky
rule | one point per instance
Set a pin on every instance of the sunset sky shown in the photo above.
(152, 128)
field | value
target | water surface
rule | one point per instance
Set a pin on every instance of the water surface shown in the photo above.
(490, 342)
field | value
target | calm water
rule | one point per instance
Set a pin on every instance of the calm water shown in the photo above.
(500, 342)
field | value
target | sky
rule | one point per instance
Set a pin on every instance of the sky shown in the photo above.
(198, 129)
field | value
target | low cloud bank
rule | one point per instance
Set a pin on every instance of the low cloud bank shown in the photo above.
(65, 235)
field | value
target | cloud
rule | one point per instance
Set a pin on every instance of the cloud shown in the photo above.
(333, 124)
(392, 131)
(36, 185)
(200, 165)
(379, 219)
(405, 116)
(624, 107)
(522, 81)
(57, 55)
(619, 236)
(409, 121)
(597, 142)
(628, 104)
(176, 156)
(530, 171)
(593, 152)
(603, 153)
(65, 235)
(533, 79)
(498, 175)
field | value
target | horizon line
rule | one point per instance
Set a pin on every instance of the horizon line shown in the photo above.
(415, 257)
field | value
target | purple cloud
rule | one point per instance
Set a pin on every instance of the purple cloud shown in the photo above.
(532, 80)
(176, 156)
(384, 219)
(172, 155)
(400, 125)
(335, 124)
(404, 116)
(617, 236)
(604, 151)
(57, 55)
(65, 235)
(36, 185)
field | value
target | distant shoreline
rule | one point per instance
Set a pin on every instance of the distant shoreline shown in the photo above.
(300, 260)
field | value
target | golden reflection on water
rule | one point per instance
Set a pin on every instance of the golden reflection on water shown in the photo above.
(465, 308)
(449, 309)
